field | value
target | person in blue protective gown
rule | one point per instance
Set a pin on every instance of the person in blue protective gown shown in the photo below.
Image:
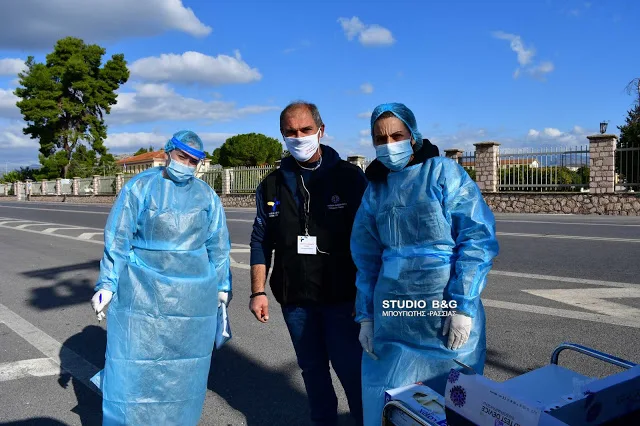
(423, 235)
(164, 274)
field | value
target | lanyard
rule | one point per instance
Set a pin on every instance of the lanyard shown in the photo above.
(307, 207)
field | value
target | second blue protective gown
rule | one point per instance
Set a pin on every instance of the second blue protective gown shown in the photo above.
(166, 256)
(424, 234)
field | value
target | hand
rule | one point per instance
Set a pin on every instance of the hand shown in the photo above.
(366, 337)
(459, 327)
(224, 298)
(99, 302)
(259, 305)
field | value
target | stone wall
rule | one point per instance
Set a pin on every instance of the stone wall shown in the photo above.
(248, 200)
(71, 199)
(239, 200)
(603, 204)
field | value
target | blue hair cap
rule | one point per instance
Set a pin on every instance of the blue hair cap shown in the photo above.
(404, 114)
(187, 141)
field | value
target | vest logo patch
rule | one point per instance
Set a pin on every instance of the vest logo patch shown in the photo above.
(274, 207)
(336, 204)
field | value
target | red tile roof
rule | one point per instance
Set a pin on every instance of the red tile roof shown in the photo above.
(147, 157)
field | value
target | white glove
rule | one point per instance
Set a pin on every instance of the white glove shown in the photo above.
(459, 327)
(224, 298)
(366, 337)
(99, 302)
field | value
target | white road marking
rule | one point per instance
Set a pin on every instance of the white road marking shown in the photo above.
(594, 299)
(563, 279)
(89, 235)
(569, 237)
(568, 223)
(241, 245)
(562, 313)
(68, 237)
(239, 220)
(240, 250)
(38, 367)
(12, 221)
(54, 210)
(35, 224)
(62, 356)
(52, 230)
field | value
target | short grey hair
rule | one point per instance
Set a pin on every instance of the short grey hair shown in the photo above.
(312, 108)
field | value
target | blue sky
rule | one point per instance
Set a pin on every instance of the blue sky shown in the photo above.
(523, 73)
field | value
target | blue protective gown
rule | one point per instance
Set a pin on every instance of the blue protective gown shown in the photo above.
(166, 257)
(425, 234)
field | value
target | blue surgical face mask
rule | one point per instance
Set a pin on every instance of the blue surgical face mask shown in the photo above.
(396, 155)
(179, 172)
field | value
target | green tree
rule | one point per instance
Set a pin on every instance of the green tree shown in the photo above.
(215, 156)
(144, 150)
(250, 149)
(628, 162)
(64, 100)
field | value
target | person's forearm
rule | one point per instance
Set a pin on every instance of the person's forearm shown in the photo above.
(258, 278)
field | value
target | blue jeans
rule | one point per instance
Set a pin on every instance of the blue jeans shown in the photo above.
(323, 334)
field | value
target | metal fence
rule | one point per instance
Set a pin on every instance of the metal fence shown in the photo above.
(106, 185)
(544, 169)
(85, 186)
(628, 168)
(245, 180)
(214, 179)
(66, 188)
(468, 162)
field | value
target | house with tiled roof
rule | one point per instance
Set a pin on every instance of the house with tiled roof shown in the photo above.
(140, 163)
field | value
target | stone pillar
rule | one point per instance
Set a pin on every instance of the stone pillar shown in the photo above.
(17, 190)
(226, 181)
(76, 186)
(6, 190)
(96, 184)
(58, 186)
(357, 160)
(455, 154)
(602, 160)
(119, 181)
(44, 187)
(28, 189)
(487, 172)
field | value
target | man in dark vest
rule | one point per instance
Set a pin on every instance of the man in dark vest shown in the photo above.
(305, 211)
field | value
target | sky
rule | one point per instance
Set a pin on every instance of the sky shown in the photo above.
(528, 73)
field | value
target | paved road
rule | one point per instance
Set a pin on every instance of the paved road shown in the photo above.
(558, 278)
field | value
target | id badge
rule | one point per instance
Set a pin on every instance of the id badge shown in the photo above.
(306, 244)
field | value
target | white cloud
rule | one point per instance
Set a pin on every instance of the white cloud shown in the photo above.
(131, 142)
(541, 70)
(157, 102)
(368, 35)
(525, 57)
(195, 67)
(37, 24)
(11, 66)
(8, 108)
(365, 132)
(11, 137)
(551, 136)
(366, 88)
(366, 114)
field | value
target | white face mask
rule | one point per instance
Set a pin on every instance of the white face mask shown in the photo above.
(302, 149)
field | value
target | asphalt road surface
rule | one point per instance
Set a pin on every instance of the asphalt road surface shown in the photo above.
(557, 279)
